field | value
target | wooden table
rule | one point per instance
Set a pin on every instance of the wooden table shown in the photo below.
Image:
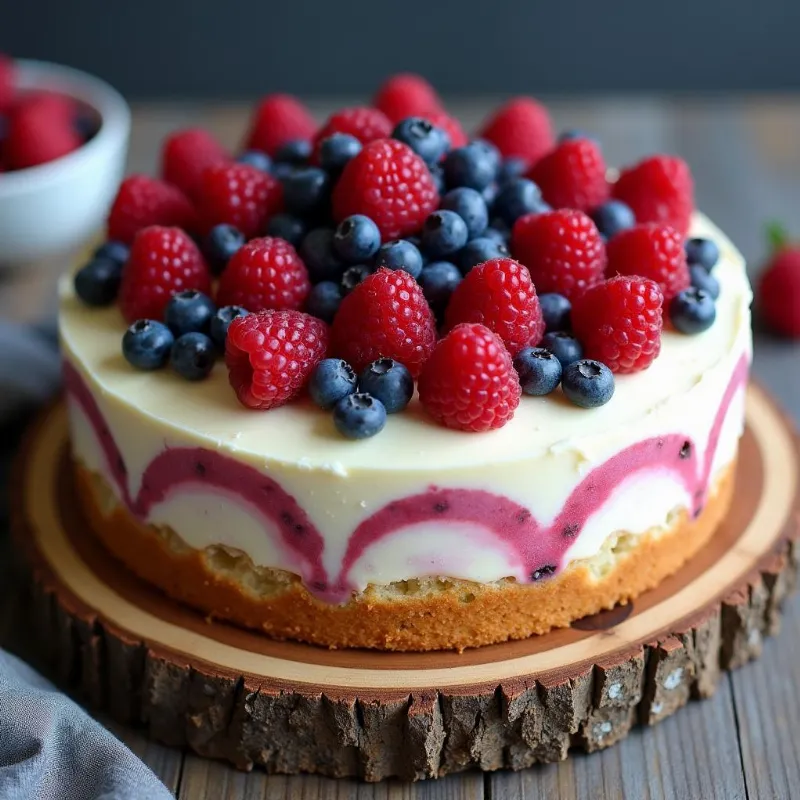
(740, 744)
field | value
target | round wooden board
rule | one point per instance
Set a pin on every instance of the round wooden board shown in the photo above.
(233, 694)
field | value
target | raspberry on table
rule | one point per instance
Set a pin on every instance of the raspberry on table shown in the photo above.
(163, 261)
(469, 383)
(278, 118)
(366, 124)
(238, 195)
(186, 154)
(652, 250)
(388, 183)
(500, 295)
(521, 128)
(384, 316)
(270, 355)
(573, 175)
(143, 201)
(406, 95)
(778, 289)
(264, 273)
(619, 322)
(562, 249)
(658, 189)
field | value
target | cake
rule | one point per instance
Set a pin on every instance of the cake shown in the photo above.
(430, 528)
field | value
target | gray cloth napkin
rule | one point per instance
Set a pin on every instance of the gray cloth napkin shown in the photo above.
(50, 748)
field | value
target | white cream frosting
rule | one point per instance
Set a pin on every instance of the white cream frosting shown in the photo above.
(536, 460)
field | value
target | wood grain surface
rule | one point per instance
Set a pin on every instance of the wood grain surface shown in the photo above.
(740, 743)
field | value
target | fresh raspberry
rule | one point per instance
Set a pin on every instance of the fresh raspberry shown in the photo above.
(563, 251)
(406, 95)
(520, 128)
(653, 251)
(143, 201)
(391, 185)
(469, 382)
(619, 322)
(450, 125)
(270, 355)
(385, 316)
(499, 294)
(366, 124)
(658, 189)
(162, 261)
(185, 156)
(278, 118)
(778, 294)
(264, 274)
(239, 195)
(573, 175)
(7, 82)
(40, 130)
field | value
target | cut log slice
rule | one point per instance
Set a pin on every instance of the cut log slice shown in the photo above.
(287, 707)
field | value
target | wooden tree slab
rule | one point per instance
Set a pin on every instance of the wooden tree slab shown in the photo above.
(232, 694)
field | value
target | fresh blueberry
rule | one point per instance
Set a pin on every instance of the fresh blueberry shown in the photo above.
(285, 226)
(470, 206)
(221, 321)
(193, 356)
(613, 217)
(189, 311)
(336, 151)
(498, 231)
(490, 152)
(390, 382)
(147, 344)
(356, 238)
(556, 310)
(424, 138)
(473, 165)
(704, 252)
(692, 311)
(115, 251)
(539, 370)
(479, 250)
(331, 380)
(359, 416)
(517, 198)
(437, 173)
(324, 300)
(283, 169)
(512, 167)
(567, 349)
(255, 158)
(222, 243)
(306, 191)
(702, 279)
(587, 383)
(295, 151)
(438, 281)
(97, 283)
(353, 276)
(443, 232)
(400, 254)
(489, 194)
(318, 255)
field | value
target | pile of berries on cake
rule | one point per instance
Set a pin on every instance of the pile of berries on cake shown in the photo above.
(386, 252)
(38, 126)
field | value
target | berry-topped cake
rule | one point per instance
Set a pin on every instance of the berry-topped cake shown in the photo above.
(379, 384)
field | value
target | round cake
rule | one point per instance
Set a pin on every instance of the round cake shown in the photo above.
(423, 536)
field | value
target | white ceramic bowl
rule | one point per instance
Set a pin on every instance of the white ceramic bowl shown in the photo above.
(55, 207)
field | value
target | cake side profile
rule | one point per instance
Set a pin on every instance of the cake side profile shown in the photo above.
(466, 396)
(499, 534)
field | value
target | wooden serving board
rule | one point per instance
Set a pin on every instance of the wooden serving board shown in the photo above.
(232, 694)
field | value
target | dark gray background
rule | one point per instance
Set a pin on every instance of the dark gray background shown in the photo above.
(240, 48)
